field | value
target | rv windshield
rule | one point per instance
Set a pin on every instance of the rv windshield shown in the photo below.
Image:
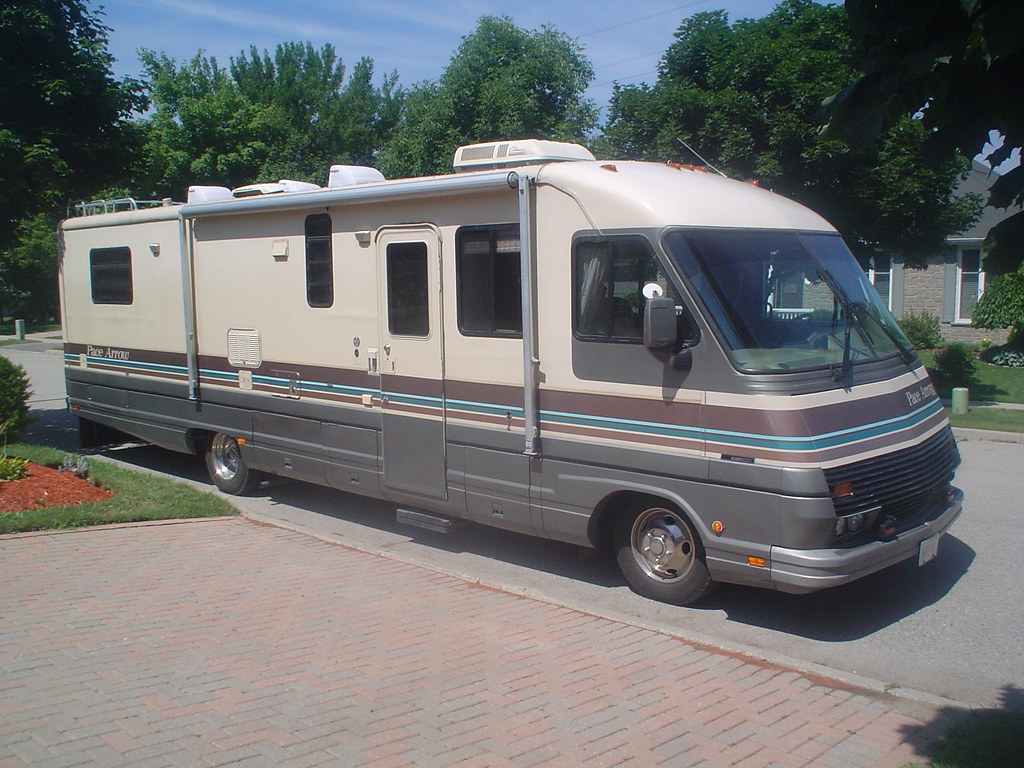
(787, 301)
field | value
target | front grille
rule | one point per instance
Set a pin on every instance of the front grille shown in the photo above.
(904, 484)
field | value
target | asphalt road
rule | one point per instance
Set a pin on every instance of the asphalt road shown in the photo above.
(953, 628)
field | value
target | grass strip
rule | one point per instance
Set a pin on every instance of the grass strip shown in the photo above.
(980, 417)
(137, 496)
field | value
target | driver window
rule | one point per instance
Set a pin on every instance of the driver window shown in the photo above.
(609, 277)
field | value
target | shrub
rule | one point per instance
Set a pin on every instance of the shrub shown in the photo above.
(12, 467)
(922, 330)
(1012, 358)
(955, 363)
(14, 395)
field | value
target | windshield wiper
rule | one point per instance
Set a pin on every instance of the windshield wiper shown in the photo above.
(906, 354)
(841, 372)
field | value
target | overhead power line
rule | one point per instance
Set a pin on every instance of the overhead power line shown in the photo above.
(645, 18)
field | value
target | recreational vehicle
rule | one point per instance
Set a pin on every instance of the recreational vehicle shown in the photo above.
(683, 369)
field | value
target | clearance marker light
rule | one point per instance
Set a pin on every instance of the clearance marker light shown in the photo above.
(757, 562)
(717, 526)
(240, 441)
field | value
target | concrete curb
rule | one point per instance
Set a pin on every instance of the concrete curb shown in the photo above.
(989, 435)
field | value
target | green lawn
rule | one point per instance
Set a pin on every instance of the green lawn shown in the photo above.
(998, 383)
(984, 739)
(999, 419)
(137, 496)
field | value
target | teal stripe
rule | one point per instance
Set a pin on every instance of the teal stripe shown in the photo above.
(745, 439)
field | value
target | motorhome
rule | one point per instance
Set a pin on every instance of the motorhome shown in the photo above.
(686, 370)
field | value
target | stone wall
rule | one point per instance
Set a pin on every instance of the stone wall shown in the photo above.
(923, 292)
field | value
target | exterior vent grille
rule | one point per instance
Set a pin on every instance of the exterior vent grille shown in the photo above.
(509, 154)
(904, 484)
(244, 348)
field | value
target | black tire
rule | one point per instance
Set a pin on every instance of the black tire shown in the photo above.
(660, 554)
(227, 468)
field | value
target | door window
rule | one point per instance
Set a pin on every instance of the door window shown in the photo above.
(408, 308)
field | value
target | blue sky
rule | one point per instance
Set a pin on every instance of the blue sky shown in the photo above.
(623, 40)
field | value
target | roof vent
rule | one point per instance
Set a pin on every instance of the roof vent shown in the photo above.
(507, 154)
(350, 175)
(199, 194)
(284, 185)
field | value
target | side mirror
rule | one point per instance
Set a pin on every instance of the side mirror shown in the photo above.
(660, 323)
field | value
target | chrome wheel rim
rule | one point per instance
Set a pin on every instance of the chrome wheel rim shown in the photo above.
(226, 457)
(663, 545)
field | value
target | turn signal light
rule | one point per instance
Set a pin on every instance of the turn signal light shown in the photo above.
(839, 490)
(757, 562)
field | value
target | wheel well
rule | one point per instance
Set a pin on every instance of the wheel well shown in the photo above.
(198, 440)
(602, 520)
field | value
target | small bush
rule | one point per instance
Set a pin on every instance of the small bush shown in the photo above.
(77, 466)
(14, 395)
(922, 330)
(12, 468)
(1011, 358)
(956, 363)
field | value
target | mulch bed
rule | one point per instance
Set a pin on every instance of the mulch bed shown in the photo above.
(45, 487)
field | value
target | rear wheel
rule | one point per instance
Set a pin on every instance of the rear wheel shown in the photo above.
(227, 468)
(660, 554)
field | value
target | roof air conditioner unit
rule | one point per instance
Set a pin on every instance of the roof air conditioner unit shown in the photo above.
(508, 154)
(198, 194)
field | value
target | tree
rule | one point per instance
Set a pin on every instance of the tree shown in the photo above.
(959, 66)
(262, 119)
(28, 270)
(1002, 305)
(64, 133)
(63, 118)
(748, 95)
(504, 82)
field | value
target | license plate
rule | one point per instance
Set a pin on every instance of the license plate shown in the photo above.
(928, 549)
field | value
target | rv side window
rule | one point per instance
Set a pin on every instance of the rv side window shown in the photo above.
(487, 266)
(319, 261)
(408, 311)
(110, 272)
(609, 276)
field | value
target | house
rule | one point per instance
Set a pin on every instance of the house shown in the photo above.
(953, 281)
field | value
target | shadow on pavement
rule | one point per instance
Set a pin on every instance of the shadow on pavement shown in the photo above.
(854, 610)
(844, 613)
(958, 738)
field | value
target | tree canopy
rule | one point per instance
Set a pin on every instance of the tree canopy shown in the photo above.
(747, 96)
(958, 65)
(263, 118)
(504, 82)
(63, 118)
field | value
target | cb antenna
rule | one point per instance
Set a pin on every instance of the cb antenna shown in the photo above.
(697, 155)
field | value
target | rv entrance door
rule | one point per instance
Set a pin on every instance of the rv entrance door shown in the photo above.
(411, 360)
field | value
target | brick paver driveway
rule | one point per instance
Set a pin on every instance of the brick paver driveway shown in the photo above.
(227, 642)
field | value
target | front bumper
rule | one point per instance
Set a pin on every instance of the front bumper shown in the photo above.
(808, 570)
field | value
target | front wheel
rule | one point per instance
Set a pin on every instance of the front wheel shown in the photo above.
(227, 468)
(660, 554)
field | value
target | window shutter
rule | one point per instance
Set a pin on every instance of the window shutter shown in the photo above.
(898, 283)
(949, 291)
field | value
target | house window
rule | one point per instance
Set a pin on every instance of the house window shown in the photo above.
(970, 282)
(110, 272)
(319, 261)
(880, 275)
(489, 286)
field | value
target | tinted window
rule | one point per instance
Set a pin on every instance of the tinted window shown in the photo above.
(408, 309)
(609, 276)
(319, 261)
(489, 295)
(110, 272)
